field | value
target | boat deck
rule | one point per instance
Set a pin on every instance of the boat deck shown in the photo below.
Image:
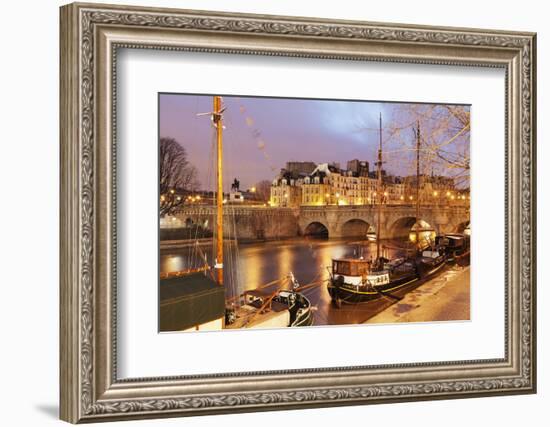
(248, 316)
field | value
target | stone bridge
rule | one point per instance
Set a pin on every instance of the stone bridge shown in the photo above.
(243, 222)
(396, 221)
(258, 222)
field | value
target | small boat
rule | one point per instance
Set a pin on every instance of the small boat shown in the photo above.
(356, 280)
(264, 309)
(456, 245)
(430, 261)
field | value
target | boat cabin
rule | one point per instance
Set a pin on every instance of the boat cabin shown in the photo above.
(452, 241)
(260, 310)
(259, 298)
(357, 270)
(351, 266)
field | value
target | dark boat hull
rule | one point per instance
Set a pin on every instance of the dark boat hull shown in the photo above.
(300, 312)
(353, 295)
(431, 267)
(455, 249)
(463, 260)
(306, 319)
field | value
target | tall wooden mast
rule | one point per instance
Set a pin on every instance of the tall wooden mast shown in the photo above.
(379, 189)
(218, 123)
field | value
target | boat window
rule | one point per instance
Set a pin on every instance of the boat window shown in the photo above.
(342, 267)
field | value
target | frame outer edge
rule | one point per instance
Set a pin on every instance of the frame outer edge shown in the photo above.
(69, 222)
(533, 207)
(77, 342)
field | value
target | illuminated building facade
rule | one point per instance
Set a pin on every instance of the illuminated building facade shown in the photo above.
(328, 184)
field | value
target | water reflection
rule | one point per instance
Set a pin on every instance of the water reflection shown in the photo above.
(249, 266)
(252, 265)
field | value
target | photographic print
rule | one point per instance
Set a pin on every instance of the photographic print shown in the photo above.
(285, 212)
(224, 173)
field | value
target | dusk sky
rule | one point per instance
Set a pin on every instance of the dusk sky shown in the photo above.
(262, 134)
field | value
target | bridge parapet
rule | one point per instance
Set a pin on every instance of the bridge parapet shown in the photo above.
(277, 222)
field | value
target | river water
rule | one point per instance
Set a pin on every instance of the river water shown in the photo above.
(249, 266)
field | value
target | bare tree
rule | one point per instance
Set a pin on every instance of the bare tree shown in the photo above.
(263, 190)
(445, 139)
(177, 177)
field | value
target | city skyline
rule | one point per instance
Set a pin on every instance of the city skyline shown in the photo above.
(262, 134)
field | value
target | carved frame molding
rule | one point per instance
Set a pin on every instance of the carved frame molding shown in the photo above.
(90, 37)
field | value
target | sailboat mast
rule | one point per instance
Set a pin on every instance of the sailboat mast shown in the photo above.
(217, 118)
(417, 181)
(379, 190)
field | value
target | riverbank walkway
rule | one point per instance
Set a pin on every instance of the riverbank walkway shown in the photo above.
(445, 298)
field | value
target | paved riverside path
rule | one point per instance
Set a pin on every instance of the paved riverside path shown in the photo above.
(445, 298)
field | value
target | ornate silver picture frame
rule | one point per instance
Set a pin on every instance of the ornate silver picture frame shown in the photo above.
(91, 36)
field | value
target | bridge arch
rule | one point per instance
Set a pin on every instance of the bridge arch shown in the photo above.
(355, 227)
(316, 229)
(402, 227)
